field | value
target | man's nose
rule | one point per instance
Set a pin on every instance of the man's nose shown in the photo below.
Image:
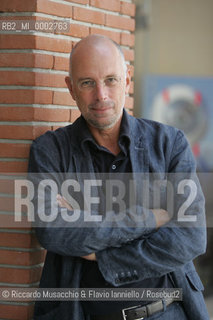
(101, 91)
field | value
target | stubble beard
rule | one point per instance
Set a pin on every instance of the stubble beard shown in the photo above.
(109, 123)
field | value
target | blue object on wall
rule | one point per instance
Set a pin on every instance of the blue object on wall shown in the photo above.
(186, 103)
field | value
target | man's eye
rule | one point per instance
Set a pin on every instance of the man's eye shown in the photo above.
(111, 81)
(87, 83)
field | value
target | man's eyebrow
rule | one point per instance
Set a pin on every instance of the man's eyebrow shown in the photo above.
(112, 75)
(90, 78)
(85, 78)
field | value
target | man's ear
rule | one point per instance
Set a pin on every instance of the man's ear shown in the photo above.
(70, 87)
(128, 80)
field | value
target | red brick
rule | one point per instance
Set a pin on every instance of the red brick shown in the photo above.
(61, 63)
(129, 103)
(63, 98)
(26, 60)
(54, 8)
(49, 80)
(18, 41)
(14, 150)
(22, 132)
(128, 54)
(16, 132)
(17, 6)
(26, 96)
(36, 60)
(43, 60)
(51, 114)
(131, 89)
(18, 240)
(56, 45)
(16, 312)
(24, 276)
(7, 203)
(110, 34)
(128, 8)
(120, 22)
(75, 113)
(77, 30)
(21, 258)
(30, 114)
(16, 114)
(15, 18)
(38, 131)
(13, 166)
(9, 221)
(6, 186)
(88, 15)
(16, 60)
(79, 1)
(20, 78)
(25, 78)
(127, 39)
(112, 5)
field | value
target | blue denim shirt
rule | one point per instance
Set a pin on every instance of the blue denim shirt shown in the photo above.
(154, 148)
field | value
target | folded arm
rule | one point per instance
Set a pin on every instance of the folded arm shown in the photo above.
(78, 238)
(170, 246)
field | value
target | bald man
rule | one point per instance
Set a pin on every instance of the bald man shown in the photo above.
(105, 139)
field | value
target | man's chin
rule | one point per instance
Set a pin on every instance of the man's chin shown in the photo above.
(102, 124)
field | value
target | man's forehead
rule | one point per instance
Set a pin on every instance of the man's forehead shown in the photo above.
(96, 73)
(98, 55)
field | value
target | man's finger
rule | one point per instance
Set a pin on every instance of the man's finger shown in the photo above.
(62, 202)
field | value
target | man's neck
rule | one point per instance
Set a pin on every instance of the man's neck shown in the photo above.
(107, 138)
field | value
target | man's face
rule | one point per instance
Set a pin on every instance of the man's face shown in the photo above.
(99, 83)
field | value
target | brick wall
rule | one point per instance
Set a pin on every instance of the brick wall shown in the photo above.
(33, 99)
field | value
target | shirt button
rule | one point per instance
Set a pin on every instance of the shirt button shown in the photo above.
(114, 167)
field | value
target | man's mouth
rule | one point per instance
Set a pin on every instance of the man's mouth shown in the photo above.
(101, 107)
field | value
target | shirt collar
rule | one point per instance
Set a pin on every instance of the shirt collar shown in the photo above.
(125, 127)
(85, 135)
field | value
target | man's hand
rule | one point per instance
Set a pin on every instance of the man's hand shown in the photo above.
(161, 217)
(91, 257)
(62, 202)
